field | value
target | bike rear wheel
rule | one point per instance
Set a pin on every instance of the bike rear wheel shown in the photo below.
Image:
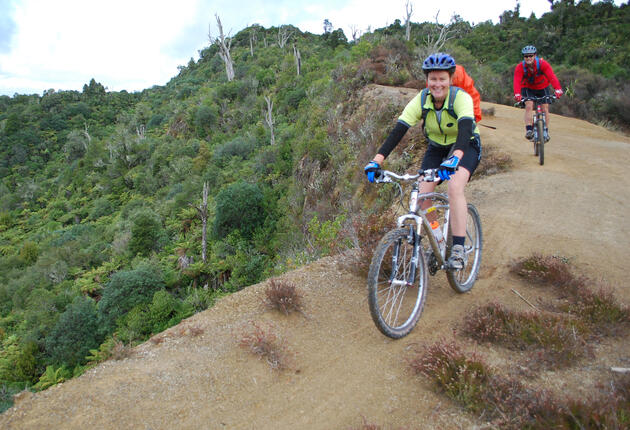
(397, 286)
(541, 141)
(463, 280)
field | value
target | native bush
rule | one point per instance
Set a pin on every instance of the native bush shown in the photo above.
(76, 332)
(146, 233)
(239, 207)
(127, 289)
(240, 147)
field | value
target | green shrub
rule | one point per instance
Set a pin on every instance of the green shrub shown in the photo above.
(146, 233)
(239, 147)
(52, 376)
(239, 207)
(163, 312)
(18, 362)
(205, 120)
(127, 289)
(76, 332)
(29, 252)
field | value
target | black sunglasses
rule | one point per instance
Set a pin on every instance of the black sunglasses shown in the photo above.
(528, 56)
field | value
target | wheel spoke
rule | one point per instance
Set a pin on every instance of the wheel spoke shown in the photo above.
(394, 303)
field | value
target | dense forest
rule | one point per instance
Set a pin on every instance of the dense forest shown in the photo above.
(123, 213)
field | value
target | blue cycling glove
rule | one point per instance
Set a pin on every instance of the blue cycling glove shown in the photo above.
(448, 167)
(372, 170)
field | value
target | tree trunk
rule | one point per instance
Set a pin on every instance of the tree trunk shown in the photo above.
(283, 36)
(409, 10)
(203, 214)
(298, 59)
(269, 118)
(224, 44)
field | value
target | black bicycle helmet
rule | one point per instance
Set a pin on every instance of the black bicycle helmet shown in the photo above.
(438, 61)
(529, 49)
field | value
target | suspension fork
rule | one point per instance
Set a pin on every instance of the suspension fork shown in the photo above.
(415, 242)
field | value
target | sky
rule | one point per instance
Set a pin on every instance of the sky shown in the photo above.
(136, 44)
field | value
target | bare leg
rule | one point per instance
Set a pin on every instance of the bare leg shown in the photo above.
(545, 109)
(457, 201)
(428, 187)
(529, 112)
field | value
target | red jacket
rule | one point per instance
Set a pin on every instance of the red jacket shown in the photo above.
(535, 79)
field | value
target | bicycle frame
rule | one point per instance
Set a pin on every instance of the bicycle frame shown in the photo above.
(418, 216)
(538, 102)
(401, 263)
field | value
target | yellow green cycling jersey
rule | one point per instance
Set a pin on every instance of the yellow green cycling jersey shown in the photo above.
(439, 125)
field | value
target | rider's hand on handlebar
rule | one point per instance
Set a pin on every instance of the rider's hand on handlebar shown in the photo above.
(372, 170)
(448, 167)
(559, 93)
(518, 97)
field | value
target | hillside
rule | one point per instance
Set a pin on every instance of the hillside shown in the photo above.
(195, 375)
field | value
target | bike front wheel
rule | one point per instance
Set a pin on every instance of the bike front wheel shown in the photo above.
(541, 142)
(397, 283)
(462, 280)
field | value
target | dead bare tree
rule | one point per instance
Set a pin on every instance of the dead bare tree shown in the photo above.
(86, 134)
(224, 43)
(284, 33)
(269, 118)
(298, 59)
(437, 37)
(409, 11)
(252, 39)
(354, 31)
(202, 210)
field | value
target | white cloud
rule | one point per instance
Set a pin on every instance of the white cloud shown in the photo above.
(135, 44)
(123, 44)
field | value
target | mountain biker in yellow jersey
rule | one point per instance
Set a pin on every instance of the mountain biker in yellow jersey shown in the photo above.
(532, 78)
(454, 143)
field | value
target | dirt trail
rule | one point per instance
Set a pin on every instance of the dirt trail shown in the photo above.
(343, 369)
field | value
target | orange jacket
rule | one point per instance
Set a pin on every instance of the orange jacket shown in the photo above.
(462, 80)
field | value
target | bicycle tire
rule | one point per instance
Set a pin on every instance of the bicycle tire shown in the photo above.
(463, 280)
(535, 142)
(541, 141)
(396, 306)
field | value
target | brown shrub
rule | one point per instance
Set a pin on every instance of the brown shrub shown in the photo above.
(544, 269)
(598, 307)
(507, 403)
(487, 113)
(283, 296)
(120, 351)
(493, 161)
(262, 341)
(554, 341)
(369, 231)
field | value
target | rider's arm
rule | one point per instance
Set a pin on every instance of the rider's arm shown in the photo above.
(518, 78)
(465, 129)
(463, 106)
(546, 69)
(409, 117)
(393, 139)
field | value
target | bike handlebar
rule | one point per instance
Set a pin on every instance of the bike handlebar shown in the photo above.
(538, 100)
(428, 175)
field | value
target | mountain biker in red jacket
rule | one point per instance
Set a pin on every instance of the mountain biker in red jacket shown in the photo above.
(532, 78)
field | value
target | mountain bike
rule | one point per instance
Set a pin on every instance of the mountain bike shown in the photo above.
(540, 124)
(419, 245)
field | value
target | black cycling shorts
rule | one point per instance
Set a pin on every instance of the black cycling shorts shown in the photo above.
(435, 154)
(528, 92)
